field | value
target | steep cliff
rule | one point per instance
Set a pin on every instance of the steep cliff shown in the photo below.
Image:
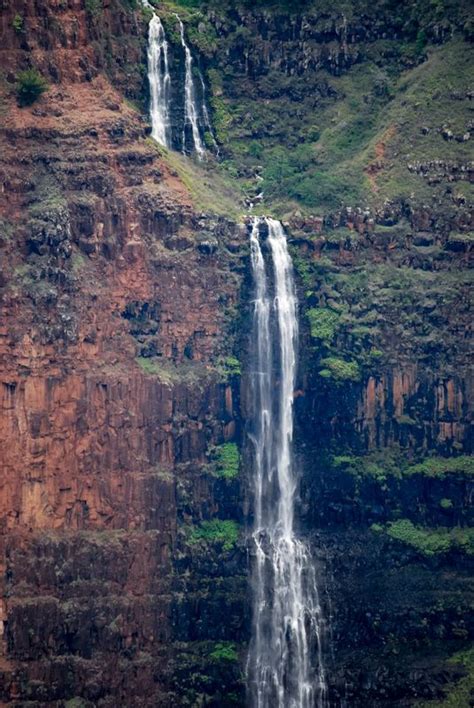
(125, 302)
(118, 300)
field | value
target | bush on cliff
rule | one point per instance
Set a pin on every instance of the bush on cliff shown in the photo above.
(29, 87)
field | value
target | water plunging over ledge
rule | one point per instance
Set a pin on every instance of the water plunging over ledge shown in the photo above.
(190, 103)
(285, 667)
(160, 81)
(196, 121)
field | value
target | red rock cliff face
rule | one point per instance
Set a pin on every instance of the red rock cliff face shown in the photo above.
(107, 284)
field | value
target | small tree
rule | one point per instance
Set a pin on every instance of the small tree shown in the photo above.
(18, 24)
(30, 85)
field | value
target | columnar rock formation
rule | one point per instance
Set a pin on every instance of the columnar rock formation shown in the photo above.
(125, 322)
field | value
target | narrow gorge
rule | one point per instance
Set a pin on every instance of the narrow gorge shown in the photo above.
(235, 354)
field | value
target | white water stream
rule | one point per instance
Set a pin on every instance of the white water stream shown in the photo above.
(191, 113)
(196, 115)
(285, 668)
(160, 81)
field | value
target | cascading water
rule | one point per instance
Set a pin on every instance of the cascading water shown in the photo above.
(191, 113)
(159, 79)
(196, 114)
(285, 667)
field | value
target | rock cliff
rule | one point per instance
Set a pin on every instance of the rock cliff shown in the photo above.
(124, 333)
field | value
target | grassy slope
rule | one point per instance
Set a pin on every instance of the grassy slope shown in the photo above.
(325, 141)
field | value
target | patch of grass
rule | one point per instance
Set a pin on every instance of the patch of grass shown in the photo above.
(93, 7)
(190, 372)
(153, 368)
(210, 189)
(75, 702)
(429, 541)
(378, 465)
(78, 261)
(227, 459)
(224, 533)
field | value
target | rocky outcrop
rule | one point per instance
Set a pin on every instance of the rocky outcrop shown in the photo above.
(123, 559)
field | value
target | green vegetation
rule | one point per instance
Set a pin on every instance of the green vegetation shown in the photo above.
(340, 370)
(93, 7)
(232, 367)
(440, 466)
(377, 309)
(386, 462)
(369, 114)
(216, 531)
(459, 693)
(429, 541)
(75, 702)
(377, 465)
(227, 459)
(193, 373)
(224, 651)
(29, 87)
(18, 24)
(323, 323)
(153, 368)
(203, 182)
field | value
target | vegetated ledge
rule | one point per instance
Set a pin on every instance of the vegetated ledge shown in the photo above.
(429, 541)
(459, 692)
(220, 532)
(381, 464)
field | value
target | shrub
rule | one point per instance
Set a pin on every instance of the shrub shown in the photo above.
(340, 370)
(30, 85)
(232, 366)
(440, 466)
(227, 461)
(215, 531)
(322, 323)
(18, 24)
(224, 651)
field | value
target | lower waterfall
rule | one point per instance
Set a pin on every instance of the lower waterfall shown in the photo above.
(285, 667)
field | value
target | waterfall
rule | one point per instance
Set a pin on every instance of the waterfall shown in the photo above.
(159, 80)
(285, 667)
(205, 115)
(191, 113)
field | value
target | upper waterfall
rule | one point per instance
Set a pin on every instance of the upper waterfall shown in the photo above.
(191, 112)
(285, 667)
(188, 135)
(160, 82)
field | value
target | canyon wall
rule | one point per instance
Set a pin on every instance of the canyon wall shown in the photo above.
(124, 330)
